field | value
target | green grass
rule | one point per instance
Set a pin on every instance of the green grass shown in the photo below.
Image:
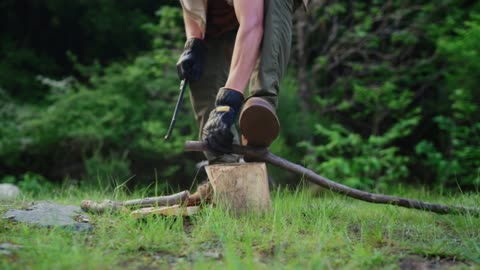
(301, 232)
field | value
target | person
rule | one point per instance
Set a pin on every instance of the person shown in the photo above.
(232, 45)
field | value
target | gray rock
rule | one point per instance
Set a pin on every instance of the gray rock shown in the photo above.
(7, 249)
(8, 192)
(49, 214)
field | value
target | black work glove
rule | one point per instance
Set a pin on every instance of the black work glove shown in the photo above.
(216, 132)
(189, 65)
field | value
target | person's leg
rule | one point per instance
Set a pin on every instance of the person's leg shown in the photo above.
(258, 121)
(204, 91)
(274, 52)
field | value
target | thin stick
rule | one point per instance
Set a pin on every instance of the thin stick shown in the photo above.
(108, 205)
(263, 154)
(203, 194)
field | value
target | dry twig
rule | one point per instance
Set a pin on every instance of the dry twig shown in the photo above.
(203, 194)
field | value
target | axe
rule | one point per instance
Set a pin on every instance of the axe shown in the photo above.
(183, 86)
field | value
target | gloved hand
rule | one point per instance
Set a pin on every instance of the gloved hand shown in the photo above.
(189, 65)
(216, 132)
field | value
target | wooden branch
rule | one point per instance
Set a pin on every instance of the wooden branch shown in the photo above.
(203, 194)
(175, 210)
(263, 154)
(108, 205)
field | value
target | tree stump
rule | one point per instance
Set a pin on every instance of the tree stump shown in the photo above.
(240, 187)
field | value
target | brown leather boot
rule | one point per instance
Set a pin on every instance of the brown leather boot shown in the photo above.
(259, 124)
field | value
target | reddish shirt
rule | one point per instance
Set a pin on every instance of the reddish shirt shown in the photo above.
(221, 18)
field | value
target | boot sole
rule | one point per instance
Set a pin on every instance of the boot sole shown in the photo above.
(258, 123)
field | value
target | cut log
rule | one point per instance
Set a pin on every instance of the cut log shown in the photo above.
(240, 188)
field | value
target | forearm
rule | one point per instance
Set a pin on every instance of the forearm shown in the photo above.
(245, 55)
(192, 29)
(247, 43)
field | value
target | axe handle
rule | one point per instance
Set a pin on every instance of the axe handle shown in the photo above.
(183, 86)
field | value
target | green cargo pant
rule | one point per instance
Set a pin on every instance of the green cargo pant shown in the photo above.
(265, 79)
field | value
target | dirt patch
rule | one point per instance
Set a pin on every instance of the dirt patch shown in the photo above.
(188, 225)
(417, 262)
(161, 259)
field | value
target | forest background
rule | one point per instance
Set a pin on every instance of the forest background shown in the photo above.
(378, 93)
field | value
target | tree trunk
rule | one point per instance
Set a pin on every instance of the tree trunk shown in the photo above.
(240, 187)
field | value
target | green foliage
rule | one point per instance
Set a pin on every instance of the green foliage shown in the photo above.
(378, 92)
(392, 92)
(361, 161)
(364, 105)
(30, 183)
(20, 66)
(37, 36)
(98, 167)
(456, 158)
(124, 109)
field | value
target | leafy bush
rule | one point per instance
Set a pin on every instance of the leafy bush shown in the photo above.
(381, 79)
(123, 110)
(366, 63)
(38, 36)
(378, 92)
(360, 161)
(29, 183)
(455, 158)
